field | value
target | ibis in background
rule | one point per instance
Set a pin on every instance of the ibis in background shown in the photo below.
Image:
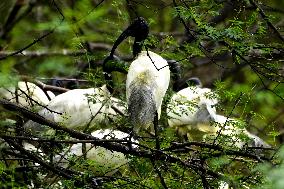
(102, 161)
(26, 94)
(191, 109)
(236, 133)
(81, 109)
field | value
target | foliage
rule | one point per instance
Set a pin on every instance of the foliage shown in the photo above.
(234, 47)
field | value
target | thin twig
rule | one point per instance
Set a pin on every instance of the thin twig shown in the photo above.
(162, 180)
(263, 15)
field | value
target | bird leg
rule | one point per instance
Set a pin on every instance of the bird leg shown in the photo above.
(156, 122)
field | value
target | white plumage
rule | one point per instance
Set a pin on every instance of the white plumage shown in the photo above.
(190, 111)
(81, 108)
(235, 130)
(103, 161)
(23, 92)
(147, 82)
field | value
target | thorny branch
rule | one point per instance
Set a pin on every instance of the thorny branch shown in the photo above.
(112, 146)
(263, 15)
(64, 52)
(162, 180)
(160, 155)
(155, 155)
(35, 41)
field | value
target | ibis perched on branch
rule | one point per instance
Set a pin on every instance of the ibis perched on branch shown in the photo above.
(147, 78)
(82, 109)
(147, 82)
(191, 109)
(102, 160)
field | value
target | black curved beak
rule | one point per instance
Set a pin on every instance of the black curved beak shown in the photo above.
(176, 74)
(175, 69)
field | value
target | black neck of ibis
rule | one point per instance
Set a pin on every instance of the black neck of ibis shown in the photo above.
(139, 29)
(111, 64)
(182, 83)
(194, 81)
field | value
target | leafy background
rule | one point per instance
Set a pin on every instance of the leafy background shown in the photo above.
(233, 46)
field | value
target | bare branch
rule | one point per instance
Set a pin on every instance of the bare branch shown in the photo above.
(162, 180)
(159, 155)
(263, 15)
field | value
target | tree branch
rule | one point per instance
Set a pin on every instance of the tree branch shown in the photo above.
(263, 15)
(158, 154)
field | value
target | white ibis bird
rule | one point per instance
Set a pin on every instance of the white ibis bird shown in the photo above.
(192, 112)
(191, 109)
(147, 82)
(147, 78)
(81, 109)
(76, 107)
(103, 161)
(26, 94)
(77, 110)
(138, 29)
(237, 133)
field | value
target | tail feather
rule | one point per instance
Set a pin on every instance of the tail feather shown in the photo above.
(141, 107)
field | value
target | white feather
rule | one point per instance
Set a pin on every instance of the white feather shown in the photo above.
(191, 109)
(24, 91)
(150, 73)
(105, 161)
(81, 107)
(234, 128)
